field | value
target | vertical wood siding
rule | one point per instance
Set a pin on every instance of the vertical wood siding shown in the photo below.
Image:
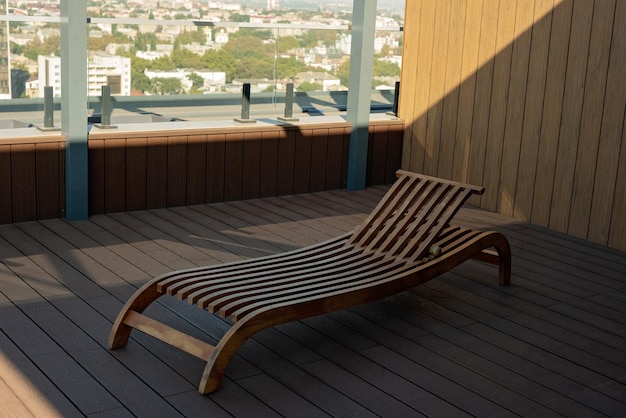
(526, 98)
(32, 180)
(134, 173)
(150, 171)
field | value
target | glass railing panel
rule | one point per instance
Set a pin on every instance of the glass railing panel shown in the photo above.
(192, 54)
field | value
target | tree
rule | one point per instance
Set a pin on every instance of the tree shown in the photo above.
(190, 37)
(236, 17)
(220, 60)
(197, 81)
(255, 67)
(385, 69)
(49, 46)
(165, 86)
(247, 46)
(343, 73)
(287, 43)
(145, 41)
(140, 82)
(308, 86)
(183, 58)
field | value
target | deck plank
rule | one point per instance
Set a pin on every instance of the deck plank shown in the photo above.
(551, 343)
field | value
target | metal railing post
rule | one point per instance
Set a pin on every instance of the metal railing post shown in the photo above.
(245, 105)
(106, 108)
(396, 98)
(48, 110)
(288, 105)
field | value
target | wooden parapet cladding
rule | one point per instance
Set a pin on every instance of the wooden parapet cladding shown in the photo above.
(406, 241)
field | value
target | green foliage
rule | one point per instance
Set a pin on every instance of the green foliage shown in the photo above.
(254, 33)
(288, 68)
(196, 80)
(187, 38)
(385, 69)
(312, 38)
(343, 73)
(220, 61)
(236, 17)
(140, 82)
(100, 44)
(287, 43)
(49, 46)
(145, 41)
(16, 49)
(165, 86)
(161, 64)
(247, 46)
(308, 86)
(183, 58)
(255, 67)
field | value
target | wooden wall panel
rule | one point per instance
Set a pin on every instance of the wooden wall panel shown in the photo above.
(499, 98)
(176, 170)
(251, 182)
(196, 169)
(115, 175)
(136, 173)
(591, 121)
(151, 170)
(156, 173)
(533, 110)
(269, 163)
(23, 182)
(6, 188)
(335, 158)
(452, 80)
(606, 211)
(286, 162)
(482, 100)
(393, 153)
(233, 166)
(617, 235)
(302, 161)
(551, 118)
(524, 98)
(215, 170)
(407, 104)
(48, 169)
(377, 154)
(572, 112)
(345, 153)
(96, 176)
(469, 62)
(518, 78)
(319, 160)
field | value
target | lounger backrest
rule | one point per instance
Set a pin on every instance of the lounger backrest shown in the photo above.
(410, 217)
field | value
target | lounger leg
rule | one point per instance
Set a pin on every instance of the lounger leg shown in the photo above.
(144, 296)
(504, 255)
(501, 257)
(224, 352)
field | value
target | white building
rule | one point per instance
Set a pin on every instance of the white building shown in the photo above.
(49, 74)
(213, 80)
(102, 70)
(111, 70)
(327, 81)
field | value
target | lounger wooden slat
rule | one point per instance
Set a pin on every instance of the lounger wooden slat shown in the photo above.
(407, 240)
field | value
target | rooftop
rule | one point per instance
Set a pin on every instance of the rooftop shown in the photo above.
(551, 343)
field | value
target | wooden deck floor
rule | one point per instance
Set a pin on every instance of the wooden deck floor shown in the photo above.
(552, 343)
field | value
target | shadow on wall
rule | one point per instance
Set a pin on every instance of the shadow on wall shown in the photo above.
(526, 101)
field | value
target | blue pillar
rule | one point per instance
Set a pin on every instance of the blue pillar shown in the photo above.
(360, 88)
(74, 105)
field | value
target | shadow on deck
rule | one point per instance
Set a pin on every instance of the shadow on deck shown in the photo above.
(551, 343)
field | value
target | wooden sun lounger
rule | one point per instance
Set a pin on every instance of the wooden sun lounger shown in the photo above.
(407, 240)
